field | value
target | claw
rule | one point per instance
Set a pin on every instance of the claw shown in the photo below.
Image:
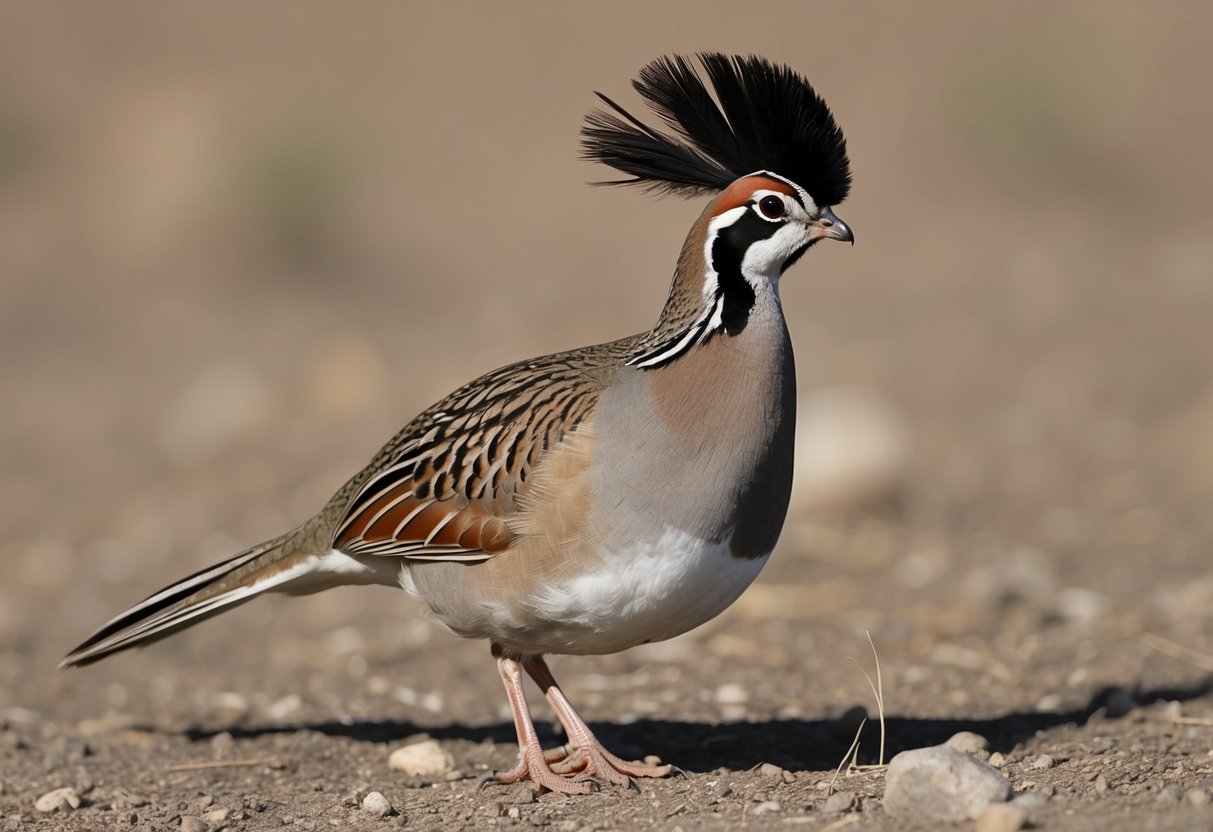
(633, 786)
(485, 781)
(590, 783)
(675, 771)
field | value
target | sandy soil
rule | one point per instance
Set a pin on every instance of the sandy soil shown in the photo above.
(239, 248)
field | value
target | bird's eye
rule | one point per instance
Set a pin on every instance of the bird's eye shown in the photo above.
(772, 207)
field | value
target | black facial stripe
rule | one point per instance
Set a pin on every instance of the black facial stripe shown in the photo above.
(728, 251)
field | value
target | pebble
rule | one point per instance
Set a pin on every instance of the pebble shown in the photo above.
(1101, 784)
(189, 824)
(378, 805)
(767, 807)
(63, 800)
(770, 770)
(1198, 797)
(1002, 818)
(839, 802)
(218, 816)
(424, 758)
(996, 759)
(731, 693)
(970, 743)
(942, 783)
(1041, 761)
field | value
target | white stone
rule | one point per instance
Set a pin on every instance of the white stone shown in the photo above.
(425, 759)
(60, 799)
(376, 804)
(942, 784)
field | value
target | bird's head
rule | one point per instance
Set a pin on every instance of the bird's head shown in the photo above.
(761, 139)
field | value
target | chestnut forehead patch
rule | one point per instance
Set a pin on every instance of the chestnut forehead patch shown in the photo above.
(739, 193)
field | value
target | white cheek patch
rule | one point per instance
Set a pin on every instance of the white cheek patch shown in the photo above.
(764, 259)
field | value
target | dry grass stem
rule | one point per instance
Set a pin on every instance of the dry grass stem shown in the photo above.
(851, 754)
(877, 689)
(1184, 720)
(1178, 651)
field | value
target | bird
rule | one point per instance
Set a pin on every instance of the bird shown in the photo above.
(592, 500)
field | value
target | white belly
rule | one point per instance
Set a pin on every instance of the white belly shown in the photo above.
(650, 591)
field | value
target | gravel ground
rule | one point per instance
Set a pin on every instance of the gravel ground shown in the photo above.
(226, 239)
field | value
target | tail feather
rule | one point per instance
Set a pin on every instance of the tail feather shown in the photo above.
(206, 593)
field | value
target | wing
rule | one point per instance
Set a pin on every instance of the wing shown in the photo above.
(446, 487)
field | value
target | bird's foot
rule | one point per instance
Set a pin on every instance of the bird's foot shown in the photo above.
(595, 761)
(533, 766)
(576, 771)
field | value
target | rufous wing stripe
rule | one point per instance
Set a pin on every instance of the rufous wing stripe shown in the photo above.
(398, 523)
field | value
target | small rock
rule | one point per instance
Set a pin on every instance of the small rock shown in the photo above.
(1041, 761)
(766, 807)
(1082, 606)
(62, 800)
(997, 760)
(1101, 784)
(969, 743)
(1198, 797)
(838, 803)
(770, 770)
(425, 758)
(194, 825)
(206, 801)
(513, 812)
(378, 805)
(731, 693)
(284, 707)
(1002, 818)
(941, 783)
(217, 817)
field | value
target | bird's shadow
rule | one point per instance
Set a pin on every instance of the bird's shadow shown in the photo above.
(792, 744)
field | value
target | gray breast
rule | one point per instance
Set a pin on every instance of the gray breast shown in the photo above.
(704, 444)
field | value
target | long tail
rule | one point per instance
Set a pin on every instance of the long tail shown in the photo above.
(238, 579)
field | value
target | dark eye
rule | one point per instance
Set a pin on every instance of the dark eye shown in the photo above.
(772, 207)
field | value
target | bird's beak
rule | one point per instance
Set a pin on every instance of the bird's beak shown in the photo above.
(828, 226)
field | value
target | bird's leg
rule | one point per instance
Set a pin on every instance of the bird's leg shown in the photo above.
(587, 755)
(532, 762)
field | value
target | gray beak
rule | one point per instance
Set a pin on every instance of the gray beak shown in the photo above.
(828, 225)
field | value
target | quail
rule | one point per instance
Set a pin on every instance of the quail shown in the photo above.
(592, 500)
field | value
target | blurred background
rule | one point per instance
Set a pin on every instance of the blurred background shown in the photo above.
(241, 244)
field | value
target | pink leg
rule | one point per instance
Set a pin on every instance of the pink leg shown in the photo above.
(588, 756)
(532, 762)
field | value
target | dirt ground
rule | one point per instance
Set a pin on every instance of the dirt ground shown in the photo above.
(240, 246)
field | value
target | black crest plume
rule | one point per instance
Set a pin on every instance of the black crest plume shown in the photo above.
(768, 118)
